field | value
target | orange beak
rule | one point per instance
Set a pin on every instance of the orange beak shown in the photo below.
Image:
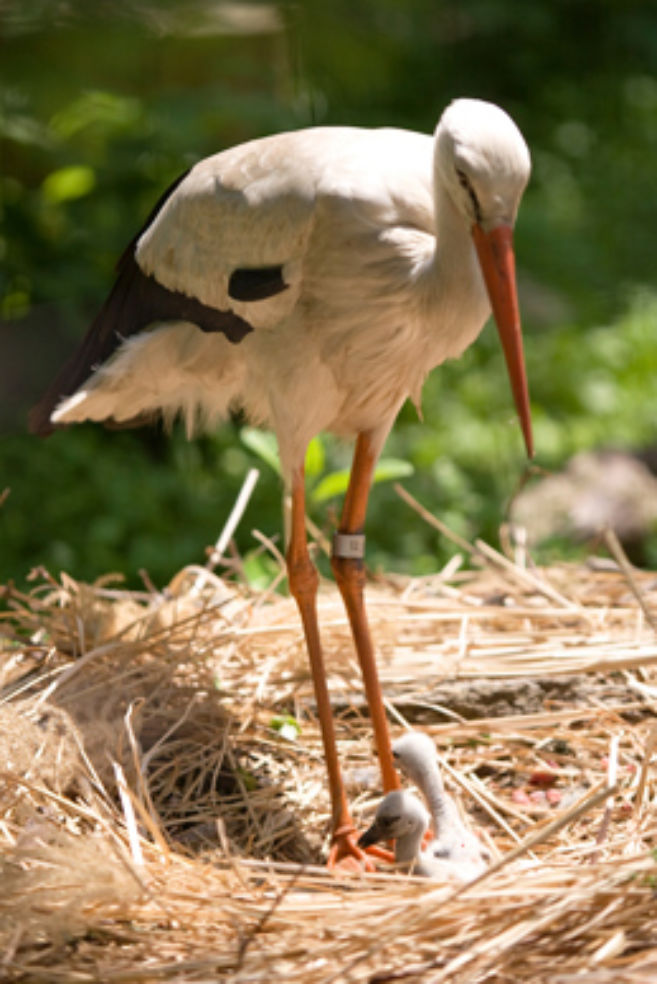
(495, 252)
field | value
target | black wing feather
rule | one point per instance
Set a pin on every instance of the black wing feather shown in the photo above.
(256, 284)
(135, 301)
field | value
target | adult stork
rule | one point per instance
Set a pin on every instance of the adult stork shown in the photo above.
(313, 279)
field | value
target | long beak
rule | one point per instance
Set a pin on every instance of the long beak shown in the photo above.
(495, 252)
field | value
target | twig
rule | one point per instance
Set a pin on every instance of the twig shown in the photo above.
(234, 517)
(145, 805)
(129, 815)
(612, 774)
(161, 741)
(651, 743)
(270, 547)
(619, 555)
(433, 520)
(322, 541)
(524, 576)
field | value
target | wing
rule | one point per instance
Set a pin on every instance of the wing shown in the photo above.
(226, 246)
(224, 240)
(236, 228)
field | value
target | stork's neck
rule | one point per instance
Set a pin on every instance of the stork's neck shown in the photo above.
(455, 256)
(454, 294)
(430, 782)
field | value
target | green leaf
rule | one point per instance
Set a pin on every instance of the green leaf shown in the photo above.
(68, 183)
(249, 780)
(336, 482)
(259, 569)
(392, 468)
(286, 727)
(315, 458)
(263, 444)
(105, 110)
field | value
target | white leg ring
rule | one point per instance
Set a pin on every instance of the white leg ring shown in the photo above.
(350, 545)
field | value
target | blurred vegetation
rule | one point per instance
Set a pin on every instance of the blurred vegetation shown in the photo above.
(103, 105)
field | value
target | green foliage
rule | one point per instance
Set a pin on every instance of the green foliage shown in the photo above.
(68, 183)
(319, 487)
(102, 106)
(263, 444)
(336, 482)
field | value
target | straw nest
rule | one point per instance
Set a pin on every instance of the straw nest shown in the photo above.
(163, 805)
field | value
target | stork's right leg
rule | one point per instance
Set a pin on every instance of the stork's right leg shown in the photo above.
(303, 580)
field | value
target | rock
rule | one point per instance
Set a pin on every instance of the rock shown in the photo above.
(597, 489)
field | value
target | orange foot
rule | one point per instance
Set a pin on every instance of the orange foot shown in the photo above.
(346, 856)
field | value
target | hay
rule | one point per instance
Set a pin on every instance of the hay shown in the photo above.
(157, 825)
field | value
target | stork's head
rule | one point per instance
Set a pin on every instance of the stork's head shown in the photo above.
(483, 163)
(415, 755)
(399, 814)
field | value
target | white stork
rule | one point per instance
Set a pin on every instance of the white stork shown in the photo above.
(313, 279)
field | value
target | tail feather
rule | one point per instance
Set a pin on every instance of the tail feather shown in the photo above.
(101, 339)
(135, 302)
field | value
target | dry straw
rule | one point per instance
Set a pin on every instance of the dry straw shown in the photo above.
(157, 825)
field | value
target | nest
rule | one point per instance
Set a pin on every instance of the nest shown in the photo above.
(163, 804)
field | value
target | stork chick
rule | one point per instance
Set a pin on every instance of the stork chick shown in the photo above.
(415, 755)
(401, 817)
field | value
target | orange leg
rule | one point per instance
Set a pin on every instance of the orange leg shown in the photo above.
(350, 576)
(303, 581)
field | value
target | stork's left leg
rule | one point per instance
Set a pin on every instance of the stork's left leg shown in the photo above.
(303, 581)
(348, 569)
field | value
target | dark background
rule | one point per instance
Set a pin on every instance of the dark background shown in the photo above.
(104, 104)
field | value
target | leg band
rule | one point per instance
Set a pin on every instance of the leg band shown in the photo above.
(350, 545)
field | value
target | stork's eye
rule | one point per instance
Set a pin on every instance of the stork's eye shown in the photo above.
(464, 181)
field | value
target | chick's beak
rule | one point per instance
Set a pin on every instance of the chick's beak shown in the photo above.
(497, 261)
(370, 836)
